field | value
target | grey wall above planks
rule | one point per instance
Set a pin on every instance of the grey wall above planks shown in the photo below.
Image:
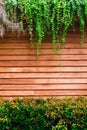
(23, 74)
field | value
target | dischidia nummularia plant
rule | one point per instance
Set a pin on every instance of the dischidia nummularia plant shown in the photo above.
(48, 17)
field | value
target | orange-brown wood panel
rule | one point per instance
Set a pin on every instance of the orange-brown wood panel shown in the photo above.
(25, 45)
(44, 93)
(43, 75)
(48, 69)
(22, 73)
(44, 81)
(42, 57)
(58, 86)
(43, 63)
(30, 51)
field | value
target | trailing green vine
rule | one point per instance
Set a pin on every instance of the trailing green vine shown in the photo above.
(48, 17)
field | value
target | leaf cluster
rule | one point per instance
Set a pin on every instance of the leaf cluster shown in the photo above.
(48, 17)
(44, 114)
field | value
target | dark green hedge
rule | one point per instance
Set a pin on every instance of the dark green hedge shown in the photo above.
(44, 114)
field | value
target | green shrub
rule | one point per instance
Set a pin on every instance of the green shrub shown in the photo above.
(44, 114)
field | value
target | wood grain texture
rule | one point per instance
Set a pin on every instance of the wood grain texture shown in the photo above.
(43, 57)
(43, 81)
(43, 75)
(44, 93)
(25, 44)
(30, 51)
(37, 63)
(49, 69)
(44, 87)
(23, 74)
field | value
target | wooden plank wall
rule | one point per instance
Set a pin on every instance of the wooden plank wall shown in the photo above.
(23, 74)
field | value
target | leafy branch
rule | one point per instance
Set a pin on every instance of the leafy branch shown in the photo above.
(48, 17)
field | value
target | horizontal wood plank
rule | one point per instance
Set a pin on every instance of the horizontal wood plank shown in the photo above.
(43, 63)
(46, 40)
(43, 75)
(44, 87)
(42, 51)
(26, 45)
(40, 69)
(44, 93)
(42, 57)
(43, 81)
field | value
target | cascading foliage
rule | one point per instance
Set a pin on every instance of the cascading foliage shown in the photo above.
(48, 17)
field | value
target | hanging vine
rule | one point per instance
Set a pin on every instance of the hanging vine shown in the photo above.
(48, 17)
